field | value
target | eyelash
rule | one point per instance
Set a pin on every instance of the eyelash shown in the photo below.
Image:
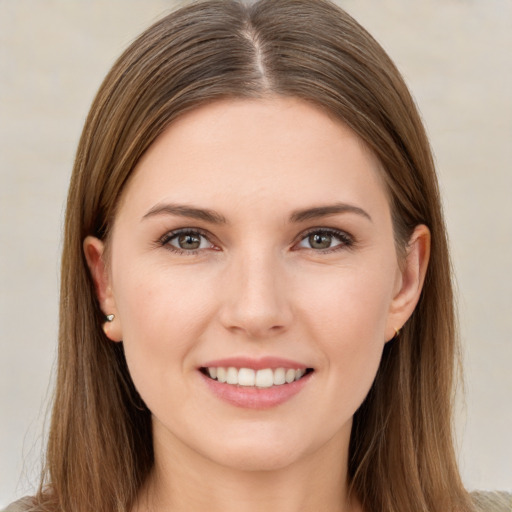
(346, 240)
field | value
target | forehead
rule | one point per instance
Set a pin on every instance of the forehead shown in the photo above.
(256, 152)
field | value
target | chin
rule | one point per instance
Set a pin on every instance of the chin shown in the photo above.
(269, 451)
(254, 459)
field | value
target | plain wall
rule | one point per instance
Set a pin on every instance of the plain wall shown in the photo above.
(456, 57)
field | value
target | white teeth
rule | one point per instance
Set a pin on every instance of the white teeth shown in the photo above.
(279, 377)
(290, 376)
(232, 375)
(248, 377)
(264, 378)
(221, 374)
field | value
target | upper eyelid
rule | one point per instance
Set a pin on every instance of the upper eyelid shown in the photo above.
(323, 229)
(175, 232)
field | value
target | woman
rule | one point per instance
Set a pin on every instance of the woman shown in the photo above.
(256, 307)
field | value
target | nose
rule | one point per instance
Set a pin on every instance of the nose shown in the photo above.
(255, 297)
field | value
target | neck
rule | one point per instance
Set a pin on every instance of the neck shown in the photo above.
(183, 480)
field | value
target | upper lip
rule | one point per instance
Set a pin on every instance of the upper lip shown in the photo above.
(256, 363)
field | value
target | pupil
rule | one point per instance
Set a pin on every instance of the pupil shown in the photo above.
(189, 242)
(320, 241)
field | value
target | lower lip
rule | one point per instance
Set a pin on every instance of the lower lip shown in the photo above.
(253, 397)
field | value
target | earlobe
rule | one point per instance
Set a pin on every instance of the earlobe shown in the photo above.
(94, 250)
(411, 279)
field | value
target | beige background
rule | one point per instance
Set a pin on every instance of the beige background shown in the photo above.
(456, 56)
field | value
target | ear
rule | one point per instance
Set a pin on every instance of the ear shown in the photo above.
(94, 250)
(410, 279)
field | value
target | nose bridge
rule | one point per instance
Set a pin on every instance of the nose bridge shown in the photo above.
(256, 294)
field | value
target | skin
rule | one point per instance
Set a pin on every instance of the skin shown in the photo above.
(256, 287)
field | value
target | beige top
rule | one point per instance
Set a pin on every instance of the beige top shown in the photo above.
(492, 501)
(485, 501)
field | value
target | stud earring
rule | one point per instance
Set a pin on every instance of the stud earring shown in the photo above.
(397, 333)
(109, 320)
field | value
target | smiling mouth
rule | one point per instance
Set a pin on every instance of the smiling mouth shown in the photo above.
(247, 377)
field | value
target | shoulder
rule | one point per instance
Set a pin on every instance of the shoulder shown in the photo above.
(23, 505)
(488, 501)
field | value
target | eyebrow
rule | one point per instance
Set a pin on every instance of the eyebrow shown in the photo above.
(187, 211)
(214, 217)
(324, 211)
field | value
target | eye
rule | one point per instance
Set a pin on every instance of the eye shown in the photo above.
(186, 241)
(326, 240)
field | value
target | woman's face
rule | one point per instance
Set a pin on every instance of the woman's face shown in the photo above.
(254, 240)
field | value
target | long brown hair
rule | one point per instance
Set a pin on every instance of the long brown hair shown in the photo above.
(100, 443)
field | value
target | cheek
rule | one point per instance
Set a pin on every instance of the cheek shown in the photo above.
(161, 304)
(162, 317)
(347, 304)
(347, 316)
